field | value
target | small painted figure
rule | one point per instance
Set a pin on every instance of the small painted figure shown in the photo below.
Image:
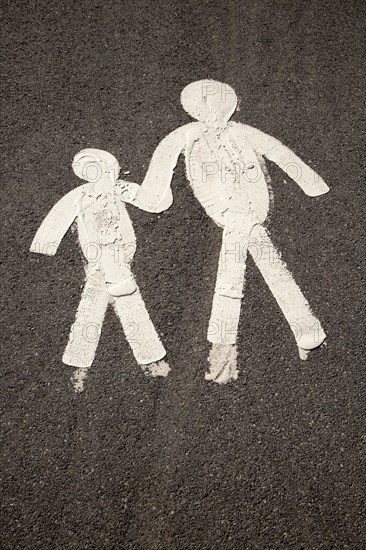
(108, 242)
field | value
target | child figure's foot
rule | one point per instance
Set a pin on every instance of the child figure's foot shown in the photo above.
(222, 361)
(308, 343)
(124, 288)
(159, 368)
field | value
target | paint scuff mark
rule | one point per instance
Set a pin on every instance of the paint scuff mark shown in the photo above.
(160, 368)
(223, 364)
(78, 379)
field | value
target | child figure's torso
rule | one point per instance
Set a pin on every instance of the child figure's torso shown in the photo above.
(104, 221)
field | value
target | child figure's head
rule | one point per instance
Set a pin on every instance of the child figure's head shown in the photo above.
(96, 166)
(209, 101)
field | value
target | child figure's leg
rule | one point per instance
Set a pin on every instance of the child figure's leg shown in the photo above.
(140, 331)
(225, 313)
(85, 332)
(130, 308)
(115, 263)
(305, 326)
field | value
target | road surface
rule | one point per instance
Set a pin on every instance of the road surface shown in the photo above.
(271, 461)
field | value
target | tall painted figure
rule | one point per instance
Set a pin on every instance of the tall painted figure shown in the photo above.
(226, 170)
(108, 243)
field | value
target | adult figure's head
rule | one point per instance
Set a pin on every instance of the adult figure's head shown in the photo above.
(96, 166)
(209, 101)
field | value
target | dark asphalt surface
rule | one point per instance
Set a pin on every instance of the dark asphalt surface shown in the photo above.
(271, 461)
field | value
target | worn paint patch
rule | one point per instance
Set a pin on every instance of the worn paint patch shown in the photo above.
(78, 379)
(161, 368)
(223, 364)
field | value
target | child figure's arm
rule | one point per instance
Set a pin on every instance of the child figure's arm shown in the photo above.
(154, 194)
(56, 223)
(309, 181)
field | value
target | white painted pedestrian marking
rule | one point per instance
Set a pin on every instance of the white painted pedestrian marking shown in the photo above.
(108, 243)
(225, 167)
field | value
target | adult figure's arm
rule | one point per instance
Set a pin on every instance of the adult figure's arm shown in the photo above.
(154, 194)
(309, 181)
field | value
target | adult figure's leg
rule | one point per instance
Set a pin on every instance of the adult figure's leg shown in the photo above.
(223, 325)
(305, 326)
(225, 313)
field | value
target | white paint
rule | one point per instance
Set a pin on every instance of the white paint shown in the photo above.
(223, 362)
(86, 330)
(78, 379)
(161, 368)
(139, 330)
(304, 325)
(224, 163)
(108, 242)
